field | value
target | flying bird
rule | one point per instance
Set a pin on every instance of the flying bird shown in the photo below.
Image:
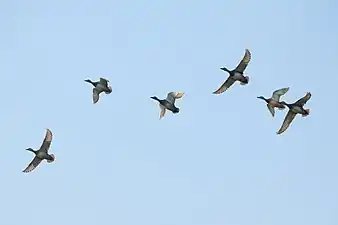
(274, 102)
(294, 109)
(169, 103)
(236, 74)
(42, 153)
(99, 87)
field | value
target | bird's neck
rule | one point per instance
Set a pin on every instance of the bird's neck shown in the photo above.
(34, 151)
(93, 83)
(288, 105)
(266, 100)
(226, 69)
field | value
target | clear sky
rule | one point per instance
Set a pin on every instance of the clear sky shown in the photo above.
(217, 162)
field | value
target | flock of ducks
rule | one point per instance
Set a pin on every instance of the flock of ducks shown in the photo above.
(168, 103)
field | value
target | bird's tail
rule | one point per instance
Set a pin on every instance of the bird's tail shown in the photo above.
(281, 107)
(307, 112)
(49, 161)
(245, 82)
(109, 90)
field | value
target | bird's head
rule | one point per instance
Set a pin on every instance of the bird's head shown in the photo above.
(31, 150)
(225, 69)
(155, 98)
(110, 90)
(176, 110)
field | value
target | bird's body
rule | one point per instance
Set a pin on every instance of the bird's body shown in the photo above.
(274, 102)
(169, 102)
(236, 74)
(99, 87)
(294, 109)
(42, 153)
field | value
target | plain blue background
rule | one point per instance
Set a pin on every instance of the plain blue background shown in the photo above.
(217, 162)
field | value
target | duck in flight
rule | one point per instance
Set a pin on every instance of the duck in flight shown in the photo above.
(169, 103)
(99, 87)
(294, 109)
(236, 74)
(42, 153)
(274, 102)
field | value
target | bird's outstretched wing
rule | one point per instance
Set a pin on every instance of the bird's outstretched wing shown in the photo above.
(104, 81)
(244, 62)
(47, 141)
(162, 112)
(35, 162)
(287, 121)
(303, 101)
(172, 96)
(278, 93)
(96, 95)
(271, 109)
(230, 81)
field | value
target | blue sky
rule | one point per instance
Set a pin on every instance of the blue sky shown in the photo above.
(217, 162)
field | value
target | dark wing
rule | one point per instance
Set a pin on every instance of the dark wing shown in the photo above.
(104, 82)
(244, 62)
(35, 162)
(47, 141)
(302, 101)
(230, 81)
(96, 95)
(287, 121)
